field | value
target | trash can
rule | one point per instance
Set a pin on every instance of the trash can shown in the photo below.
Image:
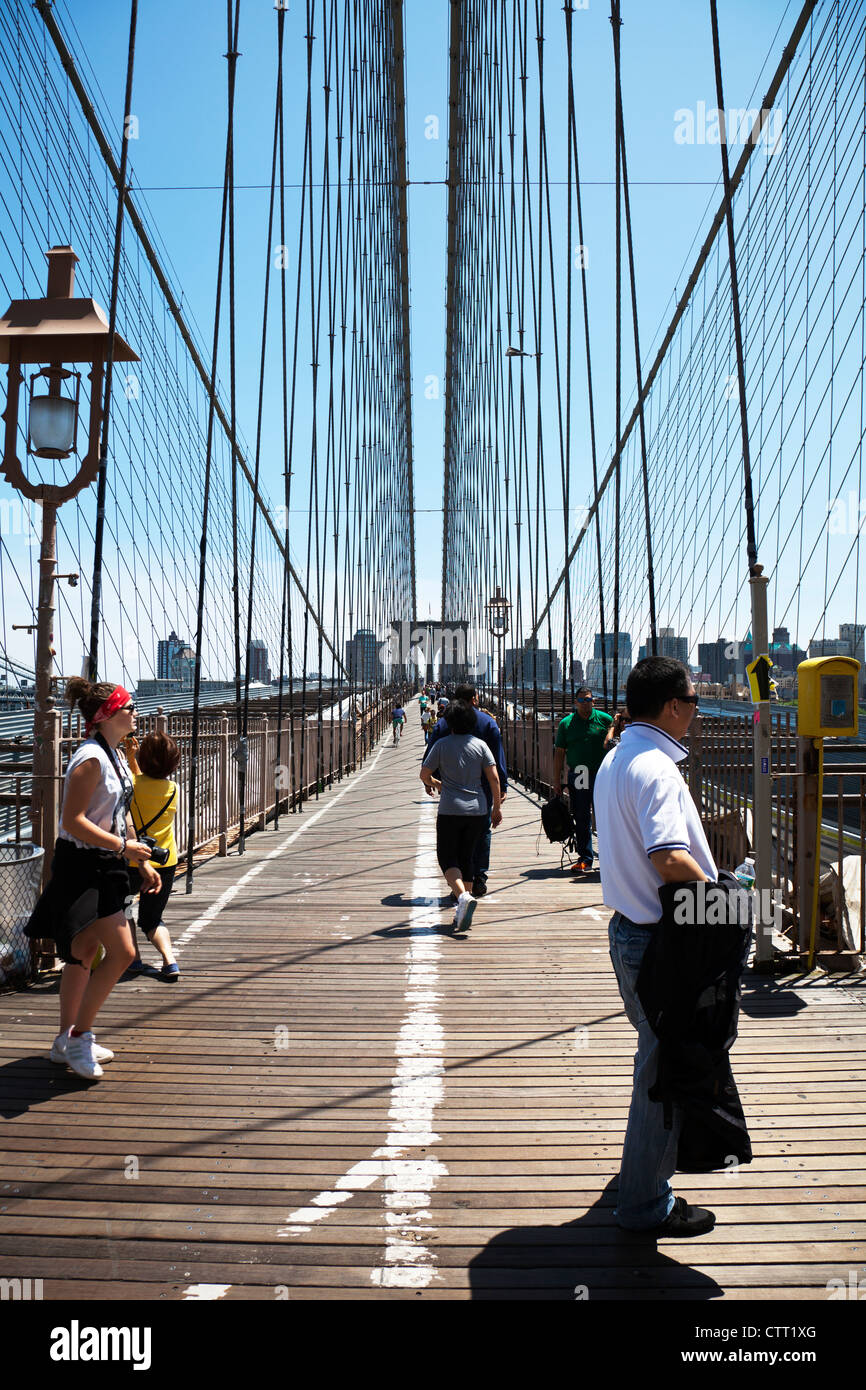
(20, 883)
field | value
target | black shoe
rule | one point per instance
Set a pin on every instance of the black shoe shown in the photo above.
(682, 1220)
(479, 888)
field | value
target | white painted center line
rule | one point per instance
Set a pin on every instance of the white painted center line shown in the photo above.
(417, 1086)
(416, 1090)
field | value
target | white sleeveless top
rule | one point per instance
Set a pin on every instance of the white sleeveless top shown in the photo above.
(106, 808)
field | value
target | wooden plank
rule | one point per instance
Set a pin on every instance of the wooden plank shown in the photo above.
(236, 1124)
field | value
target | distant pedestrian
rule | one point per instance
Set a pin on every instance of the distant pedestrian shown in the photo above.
(153, 810)
(83, 905)
(487, 730)
(398, 719)
(649, 833)
(463, 761)
(582, 739)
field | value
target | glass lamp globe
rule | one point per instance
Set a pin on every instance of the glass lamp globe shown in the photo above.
(52, 426)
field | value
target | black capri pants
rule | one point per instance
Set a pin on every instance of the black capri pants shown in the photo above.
(456, 838)
(152, 905)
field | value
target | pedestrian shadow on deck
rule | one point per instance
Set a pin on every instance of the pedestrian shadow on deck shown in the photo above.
(442, 899)
(587, 1260)
(29, 1081)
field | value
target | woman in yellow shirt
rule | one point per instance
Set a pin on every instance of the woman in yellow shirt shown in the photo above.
(153, 809)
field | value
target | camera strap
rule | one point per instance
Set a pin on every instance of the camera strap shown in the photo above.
(126, 785)
(144, 828)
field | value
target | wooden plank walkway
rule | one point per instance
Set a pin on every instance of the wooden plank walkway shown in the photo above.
(341, 1100)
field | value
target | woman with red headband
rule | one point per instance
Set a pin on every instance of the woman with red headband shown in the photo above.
(83, 906)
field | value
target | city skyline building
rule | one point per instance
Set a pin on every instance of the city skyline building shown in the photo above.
(532, 665)
(362, 656)
(596, 667)
(667, 644)
(166, 649)
(258, 661)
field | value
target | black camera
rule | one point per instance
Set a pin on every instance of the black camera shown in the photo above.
(159, 856)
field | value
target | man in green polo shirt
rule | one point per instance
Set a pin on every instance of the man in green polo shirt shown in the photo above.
(582, 740)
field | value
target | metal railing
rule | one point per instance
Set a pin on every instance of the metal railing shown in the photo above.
(313, 752)
(719, 772)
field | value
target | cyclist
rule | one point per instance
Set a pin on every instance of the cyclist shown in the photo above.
(398, 719)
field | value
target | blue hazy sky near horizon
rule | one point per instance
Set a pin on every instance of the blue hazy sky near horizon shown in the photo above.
(180, 101)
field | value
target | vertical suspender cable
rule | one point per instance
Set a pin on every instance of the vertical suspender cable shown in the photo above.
(640, 396)
(572, 131)
(241, 752)
(285, 614)
(96, 586)
(193, 770)
(615, 23)
(242, 767)
(751, 542)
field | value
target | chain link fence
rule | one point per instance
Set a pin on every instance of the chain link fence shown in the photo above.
(20, 880)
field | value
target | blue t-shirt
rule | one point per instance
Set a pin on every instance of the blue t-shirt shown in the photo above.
(460, 760)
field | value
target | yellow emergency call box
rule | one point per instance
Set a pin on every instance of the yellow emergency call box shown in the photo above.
(827, 697)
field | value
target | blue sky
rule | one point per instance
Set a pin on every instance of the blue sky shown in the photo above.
(179, 101)
(179, 98)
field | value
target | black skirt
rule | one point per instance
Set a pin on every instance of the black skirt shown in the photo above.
(85, 884)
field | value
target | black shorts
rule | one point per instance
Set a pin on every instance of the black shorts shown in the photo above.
(85, 884)
(456, 838)
(152, 905)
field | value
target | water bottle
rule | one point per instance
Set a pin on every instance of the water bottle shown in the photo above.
(745, 872)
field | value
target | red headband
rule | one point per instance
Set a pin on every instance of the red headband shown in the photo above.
(116, 700)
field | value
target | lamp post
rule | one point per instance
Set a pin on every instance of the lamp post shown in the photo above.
(53, 331)
(498, 608)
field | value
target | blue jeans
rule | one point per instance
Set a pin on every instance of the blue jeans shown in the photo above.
(581, 810)
(649, 1155)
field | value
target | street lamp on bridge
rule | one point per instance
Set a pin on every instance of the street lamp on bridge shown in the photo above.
(498, 609)
(51, 333)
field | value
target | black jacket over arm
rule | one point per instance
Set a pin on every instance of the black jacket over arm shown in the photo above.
(689, 988)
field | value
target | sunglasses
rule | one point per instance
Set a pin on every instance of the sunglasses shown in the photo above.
(585, 700)
(127, 709)
(688, 699)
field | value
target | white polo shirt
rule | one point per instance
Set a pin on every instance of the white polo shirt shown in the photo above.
(642, 804)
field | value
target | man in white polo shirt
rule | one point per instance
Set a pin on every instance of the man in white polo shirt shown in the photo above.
(649, 833)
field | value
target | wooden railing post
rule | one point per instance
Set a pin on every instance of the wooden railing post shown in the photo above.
(696, 774)
(264, 778)
(808, 814)
(223, 788)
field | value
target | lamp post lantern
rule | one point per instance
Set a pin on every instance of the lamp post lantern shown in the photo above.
(51, 333)
(498, 608)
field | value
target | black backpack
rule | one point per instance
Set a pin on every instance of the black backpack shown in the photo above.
(557, 821)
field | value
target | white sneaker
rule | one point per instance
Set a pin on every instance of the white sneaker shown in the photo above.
(60, 1044)
(81, 1057)
(465, 908)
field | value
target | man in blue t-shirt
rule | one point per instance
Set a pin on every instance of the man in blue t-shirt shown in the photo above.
(487, 730)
